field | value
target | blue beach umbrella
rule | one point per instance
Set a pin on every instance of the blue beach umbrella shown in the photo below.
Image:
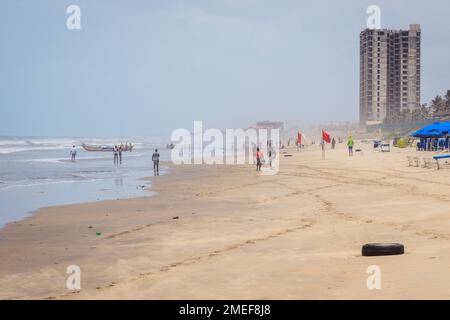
(435, 130)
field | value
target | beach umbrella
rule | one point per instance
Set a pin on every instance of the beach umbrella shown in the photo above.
(435, 130)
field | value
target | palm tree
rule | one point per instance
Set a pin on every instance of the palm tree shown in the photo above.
(416, 114)
(424, 112)
(438, 106)
(447, 102)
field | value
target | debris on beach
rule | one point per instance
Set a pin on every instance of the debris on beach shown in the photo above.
(176, 217)
(382, 249)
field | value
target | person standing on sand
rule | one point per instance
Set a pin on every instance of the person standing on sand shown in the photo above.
(116, 155)
(155, 159)
(73, 153)
(270, 154)
(333, 143)
(322, 145)
(120, 153)
(350, 144)
(259, 155)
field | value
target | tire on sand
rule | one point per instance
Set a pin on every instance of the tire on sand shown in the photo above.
(382, 249)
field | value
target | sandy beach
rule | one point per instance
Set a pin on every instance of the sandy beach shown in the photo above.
(226, 232)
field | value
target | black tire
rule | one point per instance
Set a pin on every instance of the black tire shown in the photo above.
(382, 249)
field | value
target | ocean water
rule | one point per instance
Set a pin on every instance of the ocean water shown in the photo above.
(37, 172)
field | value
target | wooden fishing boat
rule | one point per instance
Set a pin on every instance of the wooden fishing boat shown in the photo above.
(92, 148)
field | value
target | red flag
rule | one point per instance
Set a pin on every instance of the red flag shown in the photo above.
(326, 136)
(299, 138)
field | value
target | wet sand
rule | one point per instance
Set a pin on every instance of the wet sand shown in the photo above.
(225, 232)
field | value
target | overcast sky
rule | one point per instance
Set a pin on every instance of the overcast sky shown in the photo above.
(149, 67)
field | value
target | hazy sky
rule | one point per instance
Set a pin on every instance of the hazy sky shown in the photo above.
(148, 67)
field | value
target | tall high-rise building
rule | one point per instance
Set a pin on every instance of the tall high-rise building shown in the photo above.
(389, 73)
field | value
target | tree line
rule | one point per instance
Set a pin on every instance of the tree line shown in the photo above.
(438, 108)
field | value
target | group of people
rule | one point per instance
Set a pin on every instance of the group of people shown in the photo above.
(350, 144)
(260, 156)
(433, 144)
(118, 154)
(118, 149)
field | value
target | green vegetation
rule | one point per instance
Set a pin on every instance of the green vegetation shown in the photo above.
(439, 108)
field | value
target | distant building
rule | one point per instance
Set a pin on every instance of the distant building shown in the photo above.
(270, 125)
(389, 73)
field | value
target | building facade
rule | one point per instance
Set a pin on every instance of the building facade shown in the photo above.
(389, 73)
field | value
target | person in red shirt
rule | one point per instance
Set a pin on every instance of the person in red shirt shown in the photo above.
(258, 159)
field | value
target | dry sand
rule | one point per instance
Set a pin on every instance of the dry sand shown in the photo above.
(239, 235)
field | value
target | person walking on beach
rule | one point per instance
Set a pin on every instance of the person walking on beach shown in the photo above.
(322, 145)
(350, 144)
(270, 154)
(73, 153)
(333, 144)
(116, 155)
(120, 153)
(155, 159)
(254, 152)
(299, 141)
(258, 159)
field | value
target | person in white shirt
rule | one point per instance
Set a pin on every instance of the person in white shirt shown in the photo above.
(73, 153)
(116, 155)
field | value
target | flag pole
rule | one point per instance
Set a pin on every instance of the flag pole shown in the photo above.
(325, 138)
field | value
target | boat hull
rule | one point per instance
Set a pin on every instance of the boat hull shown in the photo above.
(103, 148)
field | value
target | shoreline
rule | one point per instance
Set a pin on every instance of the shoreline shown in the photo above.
(78, 192)
(222, 232)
